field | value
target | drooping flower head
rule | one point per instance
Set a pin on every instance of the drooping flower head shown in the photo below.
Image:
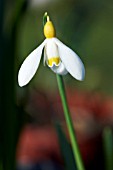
(60, 58)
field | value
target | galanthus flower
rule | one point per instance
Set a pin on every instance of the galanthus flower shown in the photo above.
(60, 58)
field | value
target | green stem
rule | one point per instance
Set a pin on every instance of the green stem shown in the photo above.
(108, 147)
(45, 18)
(75, 148)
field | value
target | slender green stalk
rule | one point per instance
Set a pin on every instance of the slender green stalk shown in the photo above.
(73, 139)
(45, 18)
(108, 148)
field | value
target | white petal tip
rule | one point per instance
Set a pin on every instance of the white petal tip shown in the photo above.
(21, 81)
(81, 79)
(20, 84)
(81, 76)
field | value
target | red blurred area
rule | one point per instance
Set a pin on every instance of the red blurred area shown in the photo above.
(37, 144)
(90, 113)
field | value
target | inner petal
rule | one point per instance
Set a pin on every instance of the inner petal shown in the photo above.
(53, 60)
(52, 53)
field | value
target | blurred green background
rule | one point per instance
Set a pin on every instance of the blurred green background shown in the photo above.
(86, 26)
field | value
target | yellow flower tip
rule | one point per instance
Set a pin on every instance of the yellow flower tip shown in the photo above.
(49, 30)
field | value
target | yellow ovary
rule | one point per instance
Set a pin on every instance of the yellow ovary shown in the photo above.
(54, 60)
(49, 30)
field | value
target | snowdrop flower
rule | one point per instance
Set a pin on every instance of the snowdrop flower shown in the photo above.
(60, 58)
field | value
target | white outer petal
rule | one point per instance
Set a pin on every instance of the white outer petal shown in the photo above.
(30, 65)
(71, 60)
(59, 69)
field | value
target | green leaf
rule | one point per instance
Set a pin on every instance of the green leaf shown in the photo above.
(108, 147)
(66, 150)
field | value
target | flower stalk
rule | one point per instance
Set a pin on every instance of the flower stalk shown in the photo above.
(75, 147)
